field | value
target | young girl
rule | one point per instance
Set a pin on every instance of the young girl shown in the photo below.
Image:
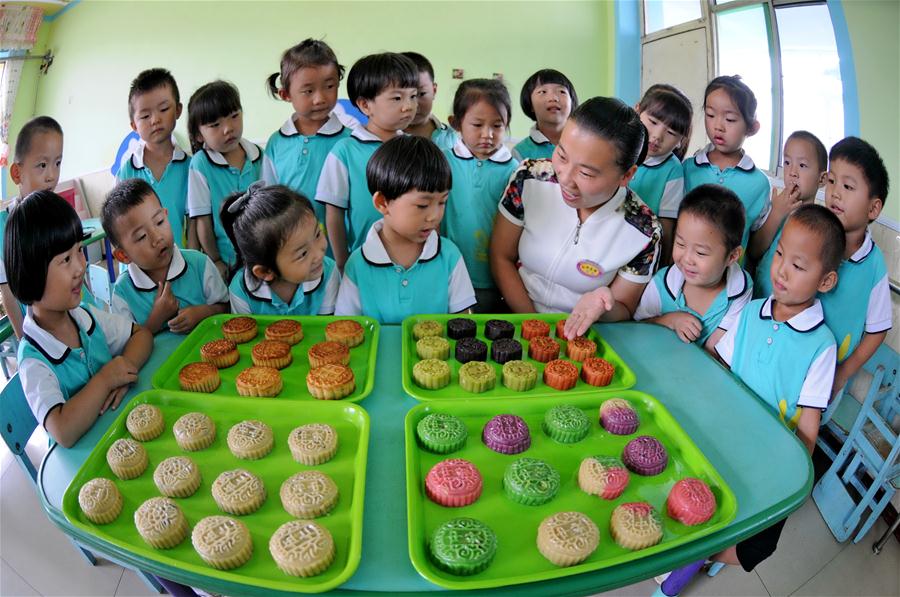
(481, 166)
(547, 98)
(659, 181)
(66, 358)
(701, 294)
(730, 117)
(223, 163)
(281, 246)
(310, 78)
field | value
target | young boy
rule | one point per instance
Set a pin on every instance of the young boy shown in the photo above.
(805, 164)
(154, 107)
(426, 124)
(165, 286)
(383, 87)
(35, 167)
(858, 311)
(404, 267)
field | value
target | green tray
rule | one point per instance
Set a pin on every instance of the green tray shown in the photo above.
(362, 357)
(623, 378)
(347, 468)
(518, 559)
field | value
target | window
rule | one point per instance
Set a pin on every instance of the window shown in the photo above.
(662, 14)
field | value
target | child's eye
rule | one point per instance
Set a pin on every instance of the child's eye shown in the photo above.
(710, 115)
(42, 165)
(587, 174)
(849, 187)
(702, 254)
(731, 120)
(302, 255)
(778, 251)
(798, 268)
(141, 237)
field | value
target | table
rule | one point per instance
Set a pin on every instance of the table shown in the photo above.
(766, 466)
(95, 228)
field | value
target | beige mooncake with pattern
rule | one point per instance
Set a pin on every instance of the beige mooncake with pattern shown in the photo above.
(145, 422)
(302, 548)
(250, 440)
(177, 476)
(313, 444)
(223, 542)
(308, 494)
(239, 492)
(194, 431)
(161, 522)
(100, 500)
(127, 458)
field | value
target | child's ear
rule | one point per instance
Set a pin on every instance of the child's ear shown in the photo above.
(178, 108)
(753, 129)
(380, 202)
(133, 126)
(822, 178)
(283, 94)
(451, 120)
(735, 255)
(263, 273)
(15, 172)
(828, 282)
(364, 107)
(121, 256)
(875, 207)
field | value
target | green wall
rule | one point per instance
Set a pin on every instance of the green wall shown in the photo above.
(101, 46)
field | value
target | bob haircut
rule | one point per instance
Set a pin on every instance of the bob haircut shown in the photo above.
(408, 163)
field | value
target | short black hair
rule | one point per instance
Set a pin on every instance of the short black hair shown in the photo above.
(670, 105)
(818, 146)
(407, 163)
(472, 91)
(614, 121)
(372, 74)
(721, 208)
(823, 223)
(308, 53)
(35, 126)
(740, 94)
(422, 63)
(546, 76)
(149, 80)
(40, 227)
(862, 155)
(209, 103)
(124, 197)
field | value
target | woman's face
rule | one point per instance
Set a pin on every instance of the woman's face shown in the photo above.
(586, 168)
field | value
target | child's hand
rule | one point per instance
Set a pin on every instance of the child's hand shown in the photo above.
(119, 372)
(165, 302)
(589, 308)
(223, 269)
(187, 319)
(114, 399)
(785, 201)
(685, 325)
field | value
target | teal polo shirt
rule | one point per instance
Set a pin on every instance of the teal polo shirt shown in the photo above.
(659, 182)
(343, 184)
(314, 297)
(373, 285)
(212, 180)
(788, 364)
(861, 302)
(536, 146)
(478, 186)
(171, 188)
(443, 135)
(192, 277)
(664, 295)
(295, 160)
(762, 279)
(745, 180)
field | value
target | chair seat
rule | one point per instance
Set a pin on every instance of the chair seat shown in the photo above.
(845, 414)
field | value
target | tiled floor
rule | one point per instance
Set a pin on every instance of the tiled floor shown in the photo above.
(808, 560)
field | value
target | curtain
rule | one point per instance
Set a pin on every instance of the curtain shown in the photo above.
(18, 31)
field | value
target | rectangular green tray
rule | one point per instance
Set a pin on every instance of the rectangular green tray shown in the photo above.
(623, 378)
(518, 559)
(362, 357)
(347, 469)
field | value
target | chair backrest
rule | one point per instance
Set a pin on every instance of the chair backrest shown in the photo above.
(18, 422)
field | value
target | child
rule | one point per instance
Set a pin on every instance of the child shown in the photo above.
(223, 163)
(481, 166)
(426, 124)
(404, 267)
(547, 98)
(281, 246)
(383, 87)
(659, 181)
(66, 361)
(858, 311)
(310, 78)
(35, 167)
(730, 117)
(805, 165)
(165, 286)
(701, 294)
(154, 106)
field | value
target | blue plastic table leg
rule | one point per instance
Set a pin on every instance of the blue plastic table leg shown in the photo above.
(715, 568)
(680, 578)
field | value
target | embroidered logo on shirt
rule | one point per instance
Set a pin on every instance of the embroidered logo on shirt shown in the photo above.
(589, 268)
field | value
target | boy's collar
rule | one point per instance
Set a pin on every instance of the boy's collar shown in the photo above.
(502, 156)
(141, 281)
(332, 126)
(863, 251)
(735, 281)
(374, 253)
(251, 149)
(537, 136)
(137, 156)
(438, 125)
(656, 161)
(702, 158)
(263, 291)
(55, 351)
(365, 135)
(804, 321)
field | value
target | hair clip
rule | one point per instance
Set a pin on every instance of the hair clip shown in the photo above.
(239, 202)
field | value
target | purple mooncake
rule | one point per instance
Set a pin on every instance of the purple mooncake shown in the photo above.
(506, 434)
(618, 417)
(645, 456)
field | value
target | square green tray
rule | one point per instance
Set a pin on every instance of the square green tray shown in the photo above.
(518, 559)
(362, 357)
(623, 378)
(347, 468)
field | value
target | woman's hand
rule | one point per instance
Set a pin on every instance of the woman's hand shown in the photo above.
(590, 307)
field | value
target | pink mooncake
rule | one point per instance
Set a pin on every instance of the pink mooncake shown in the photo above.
(691, 502)
(453, 482)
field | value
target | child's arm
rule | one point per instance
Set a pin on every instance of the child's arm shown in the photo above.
(784, 201)
(808, 427)
(192, 239)
(504, 256)
(206, 234)
(685, 325)
(668, 239)
(853, 363)
(461, 293)
(216, 294)
(12, 309)
(333, 190)
(337, 234)
(348, 301)
(165, 306)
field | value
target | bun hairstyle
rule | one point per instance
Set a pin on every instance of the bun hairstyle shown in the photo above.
(309, 52)
(618, 123)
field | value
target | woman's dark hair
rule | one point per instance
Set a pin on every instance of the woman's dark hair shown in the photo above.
(261, 221)
(39, 228)
(719, 207)
(865, 157)
(614, 121)
(740, 94)
(546, 76)
(209, 103)
(818, 146)
(472, 91)
(148, 80)
(35, 126)
(407, 163)
(823, 223)
(670, 105)
(309, 52)
(372, 74)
